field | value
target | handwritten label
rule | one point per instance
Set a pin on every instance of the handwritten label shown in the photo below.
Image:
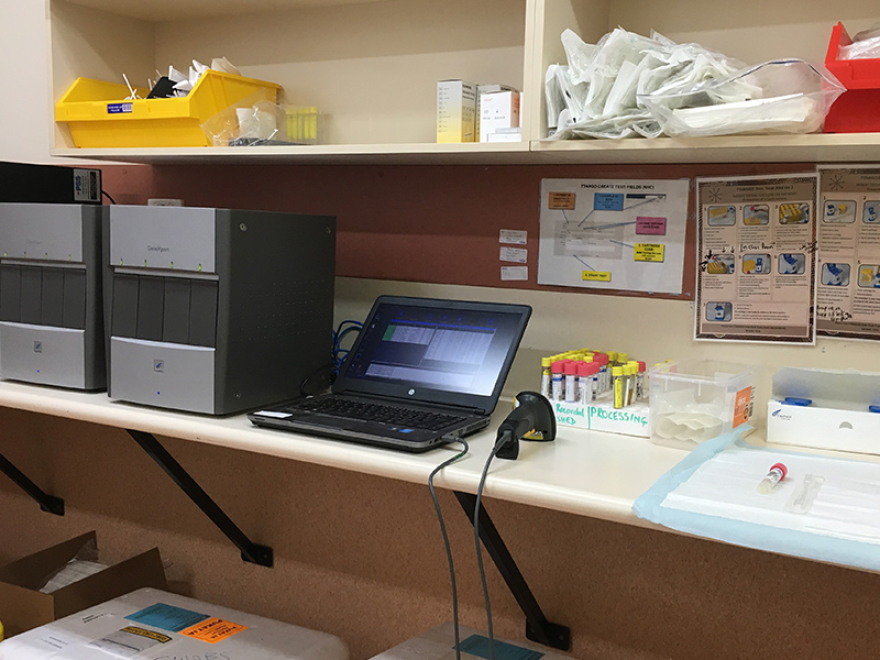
(513, 236)
(562, 200)
(213, 630)
(608, 202)
(649, 252)
(651, 226)
(516, 255)
(595, 276)
(514, 273)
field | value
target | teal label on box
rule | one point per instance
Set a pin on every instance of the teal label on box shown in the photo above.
(167, 617)
(479, 646)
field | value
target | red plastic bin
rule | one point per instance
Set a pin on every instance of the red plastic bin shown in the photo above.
(857, 110)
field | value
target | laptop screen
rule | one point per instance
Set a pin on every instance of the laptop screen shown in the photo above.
(438, 351)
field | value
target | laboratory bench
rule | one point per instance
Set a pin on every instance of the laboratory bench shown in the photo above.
(586, 473)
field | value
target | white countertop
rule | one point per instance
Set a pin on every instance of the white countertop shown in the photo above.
(587, 473)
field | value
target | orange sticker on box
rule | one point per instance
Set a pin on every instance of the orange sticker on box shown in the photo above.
(562, 200)
(742, 406)
(213, 630)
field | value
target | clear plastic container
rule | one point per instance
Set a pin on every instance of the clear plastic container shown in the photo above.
(695, 401)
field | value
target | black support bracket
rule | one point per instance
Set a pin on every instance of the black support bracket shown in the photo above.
(538, 628)
(48, 503)
(250, 552)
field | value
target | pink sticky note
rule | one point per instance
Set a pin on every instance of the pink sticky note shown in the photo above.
(651, 226)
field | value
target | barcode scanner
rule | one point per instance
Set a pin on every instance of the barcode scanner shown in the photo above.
(531, 419)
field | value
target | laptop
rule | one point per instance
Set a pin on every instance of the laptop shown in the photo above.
(422, 373)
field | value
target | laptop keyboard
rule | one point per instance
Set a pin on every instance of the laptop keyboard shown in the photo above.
(375, 412)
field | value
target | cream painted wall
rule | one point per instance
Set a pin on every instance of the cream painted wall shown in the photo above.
(24, 52)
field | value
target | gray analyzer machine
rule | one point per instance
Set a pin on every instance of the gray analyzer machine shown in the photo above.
(217, 311)
(51, 324)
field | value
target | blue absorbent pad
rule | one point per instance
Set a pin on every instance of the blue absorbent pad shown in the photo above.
(713, 493)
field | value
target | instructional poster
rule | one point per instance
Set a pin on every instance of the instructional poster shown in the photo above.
(756, 238)
(848, 298)
(613, 234)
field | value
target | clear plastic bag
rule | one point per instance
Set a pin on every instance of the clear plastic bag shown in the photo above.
(253, 121)
(783, 96)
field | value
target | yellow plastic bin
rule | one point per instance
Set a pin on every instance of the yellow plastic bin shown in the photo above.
(99, 116)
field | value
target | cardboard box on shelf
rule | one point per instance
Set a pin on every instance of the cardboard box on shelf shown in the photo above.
(23, 606)
(456, 109)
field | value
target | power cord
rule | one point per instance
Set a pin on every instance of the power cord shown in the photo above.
(505, 436)
(437, 469)
(107, 195)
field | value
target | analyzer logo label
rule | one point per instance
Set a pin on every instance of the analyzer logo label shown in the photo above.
(38, 347)
(159, 366)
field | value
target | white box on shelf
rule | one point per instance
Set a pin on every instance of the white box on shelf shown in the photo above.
(456, 111)
(506, 135)
(487, 89)
(839, 415)
(498, 110)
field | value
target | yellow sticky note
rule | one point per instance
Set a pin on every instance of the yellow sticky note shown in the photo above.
(595, 276)
(649, 252)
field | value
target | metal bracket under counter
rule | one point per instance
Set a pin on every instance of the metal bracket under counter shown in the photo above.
(250, 551)
(538, 628)
(48, 503)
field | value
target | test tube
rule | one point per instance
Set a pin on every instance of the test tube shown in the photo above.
(585, 382)
(641, 394)
(571, 370)
(546, 376)
(619, 385)
(556, 370)
(774, 476)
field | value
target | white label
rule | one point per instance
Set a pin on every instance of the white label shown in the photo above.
(520, 273)
(86, 186)
(516, 255)
(273, 413)
(513, 236)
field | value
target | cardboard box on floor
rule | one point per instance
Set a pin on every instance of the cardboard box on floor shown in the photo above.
(23, 607)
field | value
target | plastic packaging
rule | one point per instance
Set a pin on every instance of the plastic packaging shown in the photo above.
(782, 96)
(692, 402)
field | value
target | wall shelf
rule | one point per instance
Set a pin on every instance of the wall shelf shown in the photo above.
(826, 148)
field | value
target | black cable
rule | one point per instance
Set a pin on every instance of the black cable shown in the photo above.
(107, 195)
(446, 541)
(316, 372)
(500, 442)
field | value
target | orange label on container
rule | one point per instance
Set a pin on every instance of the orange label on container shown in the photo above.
(213, 630)
(742, 407)
(562, 200)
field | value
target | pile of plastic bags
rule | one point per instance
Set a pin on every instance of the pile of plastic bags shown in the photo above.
(628, 85)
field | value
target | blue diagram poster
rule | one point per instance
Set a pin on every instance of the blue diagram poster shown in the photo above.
(613, 234)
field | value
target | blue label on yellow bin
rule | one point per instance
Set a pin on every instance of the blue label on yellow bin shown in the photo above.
(167, 617)
(118, 108)
(479, 646)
